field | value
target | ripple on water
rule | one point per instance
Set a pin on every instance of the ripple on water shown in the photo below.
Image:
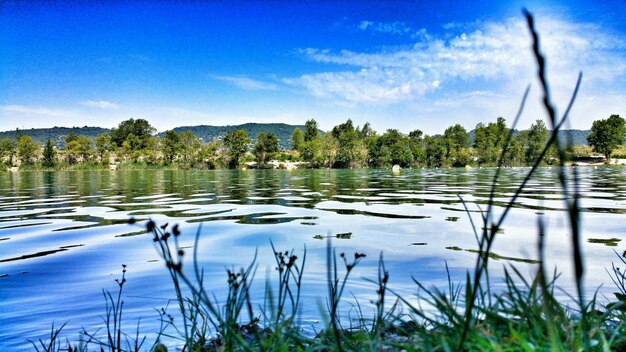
(63, 239)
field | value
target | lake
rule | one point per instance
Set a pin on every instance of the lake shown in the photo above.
(64, 235)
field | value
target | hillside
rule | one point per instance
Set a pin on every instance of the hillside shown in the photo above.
(210, 133)
(57, 134)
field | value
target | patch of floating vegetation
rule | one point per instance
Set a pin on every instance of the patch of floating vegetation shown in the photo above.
(34, 255)
(453, 218)
(495, 256)
(318, 237)
(499, 231)
(132, 234)
(344, 235)
(419, 244)
(609, 242)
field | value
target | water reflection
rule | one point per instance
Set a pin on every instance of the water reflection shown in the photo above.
(63, 235)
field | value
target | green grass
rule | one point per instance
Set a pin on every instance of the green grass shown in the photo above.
(523, 316)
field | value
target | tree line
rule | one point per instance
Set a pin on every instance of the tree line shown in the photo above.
(345, 146)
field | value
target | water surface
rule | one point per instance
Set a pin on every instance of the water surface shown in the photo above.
(64, 235)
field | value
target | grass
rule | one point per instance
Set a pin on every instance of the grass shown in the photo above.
(523, 316)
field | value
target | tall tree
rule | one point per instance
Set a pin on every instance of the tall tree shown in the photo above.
(311, 131)
(456, 139)
(7, 149)
(27, 149)
(489, 140)
(209, 155)
(171, 145)
(607, 134)
(297, 139)
(103, 146)
(78, 147)
(140, 128)
(435, 151)
(190, 145)
(265, 147)
(349, 151)
(416, 141)
(236, 142)
(537, 137)
(48, 154)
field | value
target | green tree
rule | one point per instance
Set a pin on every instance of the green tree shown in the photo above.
(48, 154)
(536, 139)
(297, 139)
(311, 149)
(325, 150)
(103, 146)
(265, 147)
(27, 149)
(456, 139)
(366, 131)
(78, 147)
(140, 128)
(7, 149)
(171, 145)
(209, 155)
(236, 143)
(350, 148)
(417, 146)
(311, 131)
(151, 152)
(131, 147)
(392, 147)
(189, 146)
(435, 151)
(489, 140)
(607, 134)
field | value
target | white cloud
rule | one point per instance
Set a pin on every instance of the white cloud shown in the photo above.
(493, 54)
(385, 27)
(100, 104)
(247, 83)
(40, 111)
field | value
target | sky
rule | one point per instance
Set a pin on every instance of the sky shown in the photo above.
(405, 65)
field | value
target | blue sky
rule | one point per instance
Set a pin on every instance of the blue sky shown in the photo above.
(396, 64)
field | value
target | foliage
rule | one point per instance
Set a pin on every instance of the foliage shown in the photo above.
(136, 132)
(536, 139)
(265, 148)
(78, 148)
(489, 140)
(7, 149)
(607, 134)
(27, 149)
(236, 143)
(297, 139)
(103, 146)
(350, 150)
(311, 132)
(48, 154)
(189, 146)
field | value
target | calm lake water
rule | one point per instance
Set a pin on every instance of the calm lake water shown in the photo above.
(64, 235)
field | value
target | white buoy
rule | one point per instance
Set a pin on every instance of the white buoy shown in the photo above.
(395, 168)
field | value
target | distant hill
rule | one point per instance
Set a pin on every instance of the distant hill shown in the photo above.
(211, 133)
(56, 134)
(579, 137)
